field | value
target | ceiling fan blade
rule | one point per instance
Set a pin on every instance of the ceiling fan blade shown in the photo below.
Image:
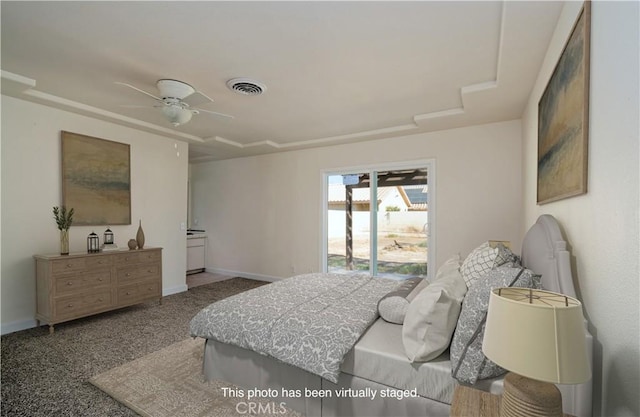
(197, 99)
(136, 106)
(138, 90)
(214, 112)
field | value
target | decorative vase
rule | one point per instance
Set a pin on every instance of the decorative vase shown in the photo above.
(64, 242)
(132, 244)
(140, 236)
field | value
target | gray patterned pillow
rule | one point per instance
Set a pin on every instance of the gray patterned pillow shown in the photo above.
(393, 306)
(468, 363)
(484, 258)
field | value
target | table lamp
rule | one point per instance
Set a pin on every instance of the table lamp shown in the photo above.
(539, 337)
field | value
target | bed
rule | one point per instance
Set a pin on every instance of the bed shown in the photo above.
(374, 377)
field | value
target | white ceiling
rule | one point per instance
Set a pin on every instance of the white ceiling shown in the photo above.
(336, 72)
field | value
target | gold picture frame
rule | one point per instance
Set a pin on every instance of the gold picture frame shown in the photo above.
(96, 180)
(563, 119)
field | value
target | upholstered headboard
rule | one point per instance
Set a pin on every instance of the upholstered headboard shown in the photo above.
(544, 251)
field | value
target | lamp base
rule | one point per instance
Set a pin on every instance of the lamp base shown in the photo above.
(525, 397)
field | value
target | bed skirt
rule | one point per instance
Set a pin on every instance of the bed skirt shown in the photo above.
(249, 370)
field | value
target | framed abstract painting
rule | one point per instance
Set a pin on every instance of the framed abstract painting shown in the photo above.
(96, 180)
(563, 119)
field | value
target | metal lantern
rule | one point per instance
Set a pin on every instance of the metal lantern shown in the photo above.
(93, 243)
(108, 237)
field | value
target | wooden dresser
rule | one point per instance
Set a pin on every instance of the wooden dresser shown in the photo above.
(81, 284)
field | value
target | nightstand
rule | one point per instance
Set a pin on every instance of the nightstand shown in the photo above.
(470, 402)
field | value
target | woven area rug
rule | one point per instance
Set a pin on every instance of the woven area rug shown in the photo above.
(169, 383)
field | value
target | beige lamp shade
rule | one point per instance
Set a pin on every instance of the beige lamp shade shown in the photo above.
(537, 334)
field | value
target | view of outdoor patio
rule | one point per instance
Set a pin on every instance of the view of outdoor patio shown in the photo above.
(401, 238)
(399, 253)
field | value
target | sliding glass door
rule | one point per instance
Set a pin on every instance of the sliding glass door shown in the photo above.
(377, 221)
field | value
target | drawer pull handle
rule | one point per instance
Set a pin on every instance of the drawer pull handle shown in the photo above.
(128, 293)
(128, 274)
(70, 305)
(99, 299)
(150, 271)
(100, 279)
(69, 265)
(70, 283)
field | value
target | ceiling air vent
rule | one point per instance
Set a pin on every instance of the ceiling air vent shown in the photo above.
(246, 86)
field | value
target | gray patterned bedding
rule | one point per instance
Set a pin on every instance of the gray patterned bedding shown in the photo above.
(310, 321)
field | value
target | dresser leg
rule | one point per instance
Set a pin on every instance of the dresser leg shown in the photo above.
(160, 301)
(51, 329)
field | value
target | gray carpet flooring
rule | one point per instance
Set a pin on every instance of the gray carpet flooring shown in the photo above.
(47, 375)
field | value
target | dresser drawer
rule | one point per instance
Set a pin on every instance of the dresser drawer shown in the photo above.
(134, 257)
(95, 262)
(127, 258)
(82, 305)
(150, 256)
(132, 294)
(74, 284)
(137, 274)
(67, 266)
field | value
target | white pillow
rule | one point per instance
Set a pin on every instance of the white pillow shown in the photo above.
(432, 316)
(450, 266)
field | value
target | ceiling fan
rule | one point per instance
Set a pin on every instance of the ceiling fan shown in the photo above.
(172, 100)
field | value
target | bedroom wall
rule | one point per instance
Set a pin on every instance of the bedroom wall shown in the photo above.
(263, 214)
(601, 226)
(31, 186)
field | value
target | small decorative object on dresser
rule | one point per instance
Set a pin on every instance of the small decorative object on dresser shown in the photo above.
(93, 243)
(140, 236)
(132, 244)
(63, 220)
(81, 284)
(108, 237)
(64, 242)
(108, 241)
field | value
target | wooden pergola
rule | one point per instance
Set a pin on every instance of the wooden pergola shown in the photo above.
(384, 179)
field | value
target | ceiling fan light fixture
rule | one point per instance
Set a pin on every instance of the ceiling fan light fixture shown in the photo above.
(246, 86)
(177, 115)
(174, 89)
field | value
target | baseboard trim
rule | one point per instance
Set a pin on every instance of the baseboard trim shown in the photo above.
(17, 326)
(174, 290)
(248, 275)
